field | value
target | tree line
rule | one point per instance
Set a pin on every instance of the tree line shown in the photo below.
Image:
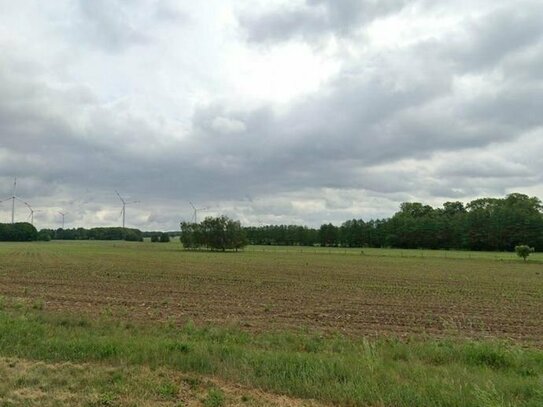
(17, 232)
(492, 224)
(100, 233)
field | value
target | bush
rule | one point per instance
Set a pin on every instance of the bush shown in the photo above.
(524, 251)
(154, 238)
(164, 238)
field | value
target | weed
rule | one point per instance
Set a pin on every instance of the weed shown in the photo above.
(215, 398)
(105, 400)
(179, 347)
(38, 304)
(168, 390)
(193, 382)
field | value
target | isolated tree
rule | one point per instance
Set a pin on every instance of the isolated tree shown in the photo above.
(164, 238)
(154, 238)
(220, 233)
(524, 251)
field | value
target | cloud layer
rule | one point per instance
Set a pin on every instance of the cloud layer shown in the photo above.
(306, 112)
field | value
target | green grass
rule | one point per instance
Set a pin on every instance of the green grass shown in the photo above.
(419, 253)
(380, 252)
(346, 371)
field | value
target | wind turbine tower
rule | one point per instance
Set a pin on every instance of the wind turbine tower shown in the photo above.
(123, 210)
(62, 214)
(13, 198)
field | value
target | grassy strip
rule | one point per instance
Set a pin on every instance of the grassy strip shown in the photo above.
(384, 372)
(29, 383)
(37, 383)
(83, 246)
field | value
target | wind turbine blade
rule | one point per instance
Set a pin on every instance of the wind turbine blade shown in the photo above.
(20, 200)
(29, 208)
(120, 197)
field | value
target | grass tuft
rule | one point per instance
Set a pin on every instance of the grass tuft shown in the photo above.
(215, 398)
(168, 391)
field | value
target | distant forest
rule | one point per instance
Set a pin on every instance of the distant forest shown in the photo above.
(103, 233)
(483, 224)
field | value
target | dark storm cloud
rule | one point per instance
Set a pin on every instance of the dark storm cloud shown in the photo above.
(316, 18)
(444, 117)
(503, 31)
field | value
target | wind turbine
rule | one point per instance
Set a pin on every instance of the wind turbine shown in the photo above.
(123, 211)
(62, 214)
(32, 210)
(13, 198)
(196, 210)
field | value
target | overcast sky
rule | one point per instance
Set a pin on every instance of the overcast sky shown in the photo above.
(305, 111)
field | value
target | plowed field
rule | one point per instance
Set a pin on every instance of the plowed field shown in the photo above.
(328, 291)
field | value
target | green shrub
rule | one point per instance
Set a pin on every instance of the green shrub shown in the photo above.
(524, 251)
